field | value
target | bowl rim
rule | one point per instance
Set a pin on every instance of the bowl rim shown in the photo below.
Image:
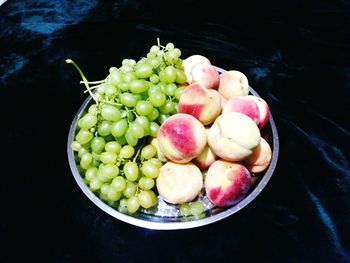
(172, 225)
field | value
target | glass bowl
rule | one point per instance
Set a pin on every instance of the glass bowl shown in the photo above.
(165, 216)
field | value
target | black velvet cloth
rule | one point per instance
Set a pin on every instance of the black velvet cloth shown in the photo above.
(296, 55)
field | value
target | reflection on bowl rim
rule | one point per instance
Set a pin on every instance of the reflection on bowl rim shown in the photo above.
(158, 222)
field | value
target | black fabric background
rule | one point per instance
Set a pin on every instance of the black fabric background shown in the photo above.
(296, 55)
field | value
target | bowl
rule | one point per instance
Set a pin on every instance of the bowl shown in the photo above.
(165, 216)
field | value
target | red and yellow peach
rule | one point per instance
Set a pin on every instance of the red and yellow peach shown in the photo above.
(233, 83)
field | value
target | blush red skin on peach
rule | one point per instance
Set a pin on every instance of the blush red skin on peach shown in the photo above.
(245, 105)
(241, 183)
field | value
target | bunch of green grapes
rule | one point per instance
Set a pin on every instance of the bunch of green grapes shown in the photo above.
(112, 143)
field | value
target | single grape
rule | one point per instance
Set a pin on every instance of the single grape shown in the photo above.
(108, 158)
(87, 121)
(154, 79)
(169, 46)
(154, 128)
(144, 70)
(180, 76)
(127, 99)
(156, 162)
(113, 147)
(130, 139)
(143, 122)
(129, 76)
(170, 89)
(84, 136)
(153, 196)
(109, 171)
(81, 152)
(93, 109)
(153, 115)
(98, 144)
(115, 78)
(150, 170)
(154, 49)
(131, 171)
(119, 183)
(119, 128)
(167, 107)
(143, 108)
(130, 189)
(178, 92)
(86, 160)
(146, 183)
(113, 195)
(185, 209)
(136, 130)
(110, 90)
(145, 199)
(95, 184)
(91, 173)
(138, 86)
(75, 146)
(133, 204)
(157, 98)
(123, 86)
(148, 152)
(127, 151)
(110, 113)
(168, 75)
(154, 88)
(197, 208)
(104, 128)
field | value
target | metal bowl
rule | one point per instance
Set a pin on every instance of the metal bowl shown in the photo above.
(166, 216)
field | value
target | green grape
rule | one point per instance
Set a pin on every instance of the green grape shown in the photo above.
(127, 99)
(108, 158)
(167, 107)
(84, 136)
(104, 188)
(115, 78)
(168, 75)
(101, 90)
(130, 139)
(146, 183)
(127, 151)
(86, 160)
(197, 208)
(180, 76)
(109, 171)
(154, 128)
(169, 46)
(98, 144)
(125, 61)
(145, 199)
(154, 79)
(121, 140)
(138, 86)
(132, 62)
(123, 86)
(138, 96)
(96, 162)
(95, 184)
(112, 69)
(170, 89)
(148, 152)
(171, 56)
(110, 90)
(143, 108)
(76, 146)
(126, 68)
(155, 62)
(118, 184)
(130, 189)
(154, 49)
(153, 115)
(93, 109)
(110, 113)
(123, 202)
(153, 196)
(91, 173)
(154, 88)
(178, 92)
(144, 70)
(104, 128)
(162, 86)
(113, 147)
(157, 99)
(129, 76)
(143, 122)
(151, 55)
(87, 121)
(133, 204)
(150, 170)
(178, 52)
(131, 171)
(136, 130)
(113, 195)
(119, 128)
(81, 152)
(185, 209)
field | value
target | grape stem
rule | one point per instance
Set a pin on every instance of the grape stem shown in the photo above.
(94, 82)
(69, 61)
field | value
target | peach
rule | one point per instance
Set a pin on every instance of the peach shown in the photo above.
(233, 83)
(233, 136)
(189, 63)
(223, 100)
(245, 105)
(179, 183)
(205, 159)
(227, 183)
(205, 75)
(264, 110)
(203, 104)
(260, 159)
(181, 138)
